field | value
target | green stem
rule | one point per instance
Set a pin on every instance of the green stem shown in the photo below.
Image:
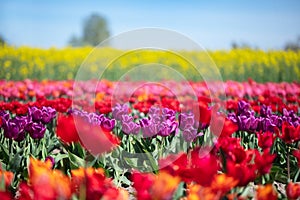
(288, 164)
(297, 175)
(11, 147)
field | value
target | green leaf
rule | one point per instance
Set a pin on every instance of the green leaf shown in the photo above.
(92, 162)
(2, 183)
(124, 180)
(153, 163)
(76, 161)
(80, 150)
(278, 174)
(179, 191)
(59, 157)
(132, 162)
(4, 153)
(114, 162)
(15, 163)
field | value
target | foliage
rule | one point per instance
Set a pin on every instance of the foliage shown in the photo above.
(95, 30)
(293, 46)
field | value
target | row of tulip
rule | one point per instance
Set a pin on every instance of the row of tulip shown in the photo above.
(90, 183)
(277, 95)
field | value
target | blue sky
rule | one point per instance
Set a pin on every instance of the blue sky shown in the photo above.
(214, 24)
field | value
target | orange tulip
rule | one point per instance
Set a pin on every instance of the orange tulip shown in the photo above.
(266, 192)
(164, 186)
(223, 183)
(7, 177)
(47, 183)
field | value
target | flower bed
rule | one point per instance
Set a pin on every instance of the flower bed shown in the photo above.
(61, 142)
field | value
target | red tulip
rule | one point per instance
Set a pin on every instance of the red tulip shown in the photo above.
(289, 133)
(228, 144)
(25, 191)
(264, 161)
(66, 129)
(222, 127)
(293, 191)
(296, 153)
(205, 114)
(95, 184)
(242, 172)
(92, 137)
(5, 195)
(198, 168)
(142, 183)
(266, 139)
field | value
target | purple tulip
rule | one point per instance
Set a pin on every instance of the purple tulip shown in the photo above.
(127, 127)
(277, 120)
(135, 128)
(265, 111)
(21, 136)
(36, 130)
(108, 124)
(190, 134)
(243, 123)
(130, 127)
(186, 120)
(246, 123)
(45, 115)
(145, 122)
(173, 125)
(35, 113)
(14, 128)
(119, 110)
(163, 129)
(291, 117)
(243, 107)
(154, 111)
(4, 115)
(268, 125)
(74, 112)
(168, 114)
(167, 128)
(157, 119)
(126, 118)
(11, 129)
(232, 117)
(95, 119)
(253, 124)
(149, 129)
(48, 114)
(22, 120)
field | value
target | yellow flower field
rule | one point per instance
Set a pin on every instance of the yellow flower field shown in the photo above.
(19, 63)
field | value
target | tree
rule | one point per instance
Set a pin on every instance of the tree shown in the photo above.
(95, 30)
(243, 45)
(294, 46)
(75, 41)
(2, 41)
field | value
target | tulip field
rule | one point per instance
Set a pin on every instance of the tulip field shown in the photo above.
(67, 139)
